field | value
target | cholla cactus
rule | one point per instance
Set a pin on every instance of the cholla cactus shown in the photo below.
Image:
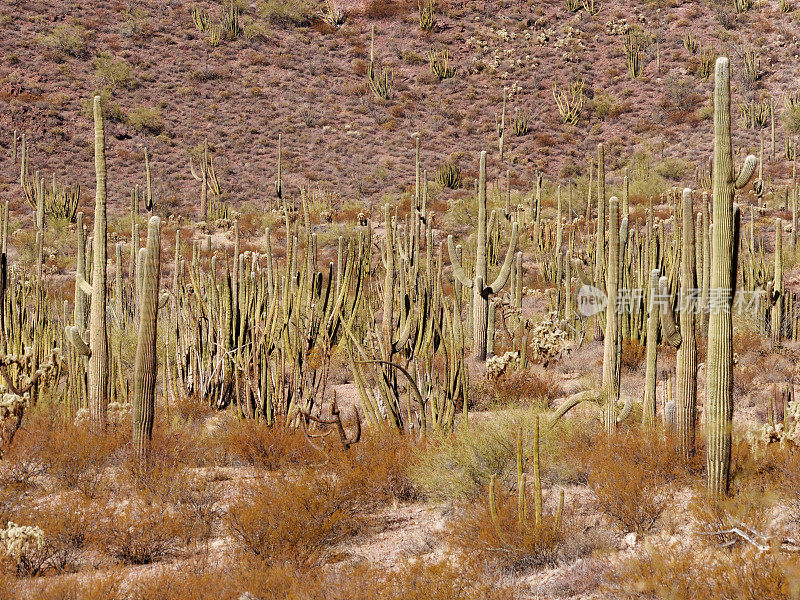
(786, 433)
(548, 340)
(496, 366)
(19, 541)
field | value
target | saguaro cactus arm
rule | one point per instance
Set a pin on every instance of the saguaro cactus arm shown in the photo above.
(74, 337)
(746, 174)
(458, 269)
(670, 329)
(505, 271)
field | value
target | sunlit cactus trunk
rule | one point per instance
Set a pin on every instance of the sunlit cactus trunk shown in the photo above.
(724, 253)
(144, 378)
(611, 343)
(686, 369)
(651, 354)
(98, 333)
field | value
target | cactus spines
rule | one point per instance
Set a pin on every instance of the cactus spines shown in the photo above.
(481, 291)
(98, 332)
(144, 378)
(724, 252)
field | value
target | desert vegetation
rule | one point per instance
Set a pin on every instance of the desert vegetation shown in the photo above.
(505, 308)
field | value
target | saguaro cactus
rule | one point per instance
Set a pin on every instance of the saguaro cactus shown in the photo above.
(776, 286)
(612, 341)
(144, 378)
(98, 332)
(684, 340)
(725, 243)
(97, 350)
(651, 354)
(480, 291)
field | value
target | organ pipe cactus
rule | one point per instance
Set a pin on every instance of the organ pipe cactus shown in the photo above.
(144, 377)
(724, 252)
(480, 291)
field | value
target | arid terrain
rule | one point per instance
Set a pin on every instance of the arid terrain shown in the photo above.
(340, 342)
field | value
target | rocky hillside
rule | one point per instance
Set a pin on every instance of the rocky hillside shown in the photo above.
(640, 70)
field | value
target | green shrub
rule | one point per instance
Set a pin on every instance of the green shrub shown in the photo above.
(66, 40)
(114, 73)
(146, 119)
(673, 169)
(460, 466)
(287, 12)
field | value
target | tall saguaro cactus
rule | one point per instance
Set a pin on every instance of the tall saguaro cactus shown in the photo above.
(612, 341)
(724, 252)
(98, 333)
(686, 405)
(481, 291)
(144, 378)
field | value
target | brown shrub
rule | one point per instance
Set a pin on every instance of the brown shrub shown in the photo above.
(77, 455)
(141, 531)
(527, 387)
(66, 524)
(265, 447)
(631, 476)
(667, 572)
(632, 354)
(105, 586)
(381, 9)
(376, 469)
(419, 580)
(502, 540)
(293, 520)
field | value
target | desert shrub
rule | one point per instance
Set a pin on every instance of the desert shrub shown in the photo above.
(527, 386)
(293, 520)
(631, 477)
(115, 73)
(376, 469)
(146, 119)
(111, 110)
(791, 116)
(63, 526)
(22, 463)
(673, 169)
(459, 466)
(681, 98)
(77, 456)
(269, 448)
(381, 9)
(419, 580)
(632, 354)
(412, 580)
(141, 531)
(501, 539)
(287, 12)
(66, 40)
(673, 569)
(105, 586)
